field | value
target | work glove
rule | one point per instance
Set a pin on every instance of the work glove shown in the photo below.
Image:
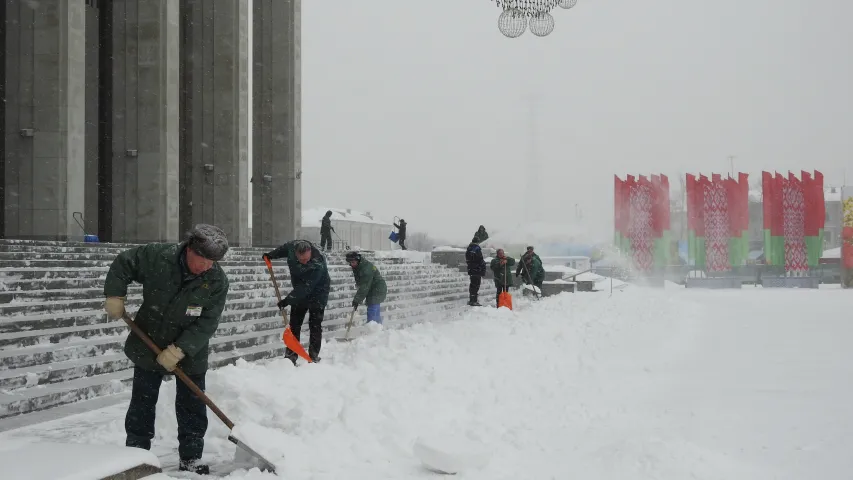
(354, 304)
(283, 302)
(114, 307)
(169, 357)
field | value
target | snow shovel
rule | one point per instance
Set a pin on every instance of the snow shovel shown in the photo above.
(349, 324)
(290, 340)
(505, 298)
(265, 464)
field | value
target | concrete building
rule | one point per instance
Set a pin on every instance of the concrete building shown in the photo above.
(359, 230)
(134, 113)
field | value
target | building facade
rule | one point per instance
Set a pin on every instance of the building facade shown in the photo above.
(133, 115)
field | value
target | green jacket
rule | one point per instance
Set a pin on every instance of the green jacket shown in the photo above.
(502, 271)
(168, 292)
(371, 285)
(533, 268)
(311, 282)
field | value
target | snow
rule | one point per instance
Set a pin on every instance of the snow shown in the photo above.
(641, 384)
(311, 217)
(409, 255)
(63, 461)
(448, 248)
(832, 253)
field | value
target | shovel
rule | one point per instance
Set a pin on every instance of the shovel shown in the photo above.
(530, 276)
(265, 464)
(290, 340)
(349, 324)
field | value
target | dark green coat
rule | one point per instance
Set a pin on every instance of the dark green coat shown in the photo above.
(168, 290)
(534, 269)
(371, 285)
(502, 271)
(311, 281)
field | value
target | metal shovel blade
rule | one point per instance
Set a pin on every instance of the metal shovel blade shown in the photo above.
(264, 464)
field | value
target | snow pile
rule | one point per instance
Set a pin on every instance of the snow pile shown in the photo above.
(646, 384)
(448, 248)
(832, 253)
(408, 255)
(63, 461)
(313, 216)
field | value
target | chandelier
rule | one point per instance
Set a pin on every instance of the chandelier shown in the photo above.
(518, 15)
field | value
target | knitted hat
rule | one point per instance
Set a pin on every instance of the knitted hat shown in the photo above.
(209, 241)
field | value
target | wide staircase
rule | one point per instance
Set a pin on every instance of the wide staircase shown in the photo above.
(59, 354)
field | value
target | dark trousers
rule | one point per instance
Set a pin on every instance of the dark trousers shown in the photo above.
(315, 329)
(474, 288)
(501, 289)
(402, 242)
(326, 240)
(190, 411)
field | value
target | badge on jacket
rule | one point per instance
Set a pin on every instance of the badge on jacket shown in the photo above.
(194, 311)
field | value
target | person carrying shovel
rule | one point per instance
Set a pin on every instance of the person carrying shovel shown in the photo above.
(531, 269)
(370, 285)
(500, 266)
(309, 276)
(184, 292)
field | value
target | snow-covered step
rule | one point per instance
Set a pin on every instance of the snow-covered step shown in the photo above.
(48, 395)
(14, 281)
(78, 313)
(57, 347)
(71, 368)
(236, 290)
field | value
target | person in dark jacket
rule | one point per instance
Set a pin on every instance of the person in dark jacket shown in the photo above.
(309, 276)
(531, 269)
(501, 266)
(476, 265)
(183, 291)
(371, 287)
(326, 230)
(402, 235)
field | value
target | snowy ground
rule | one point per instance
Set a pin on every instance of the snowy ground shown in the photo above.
(643, 384)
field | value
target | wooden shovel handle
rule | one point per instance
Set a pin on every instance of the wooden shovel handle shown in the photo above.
(179, 373)
(277, 291)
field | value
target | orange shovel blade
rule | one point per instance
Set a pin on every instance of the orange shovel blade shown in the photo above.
(505, 300)
(292, 343)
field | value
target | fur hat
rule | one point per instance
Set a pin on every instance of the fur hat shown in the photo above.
(209, 241)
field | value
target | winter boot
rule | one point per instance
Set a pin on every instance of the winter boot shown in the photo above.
(194, 466)
(474, 303)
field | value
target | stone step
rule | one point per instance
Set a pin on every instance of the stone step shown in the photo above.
(41, 301)
(76, 262)
(110, 254)
(60, 294)
(11, 311)
(36, 270)
(22, 280)
(89, 324)
(47, 395)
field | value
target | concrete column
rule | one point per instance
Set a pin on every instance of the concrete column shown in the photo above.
(145, 121)
(44, 181)
(277, 126)
(215, 137)
(92, 119)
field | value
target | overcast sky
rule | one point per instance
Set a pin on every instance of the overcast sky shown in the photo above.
(421, 109)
